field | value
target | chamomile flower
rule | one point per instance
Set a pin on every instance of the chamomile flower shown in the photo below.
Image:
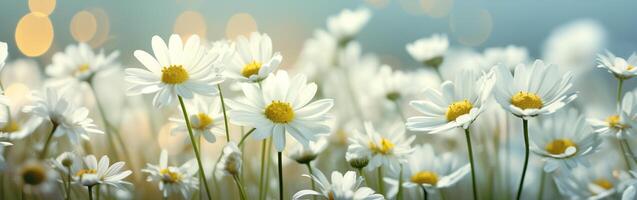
(395, 85)
(388, 148)
(4, 53)
(173, 179)
(318, 55)
(207, 120)
(508, 56)
(94, 173)
(426, 169)
(79, 63)
(177, 69)
(429, 51)
(597, 182)
(358, 157)
(535, 89)
(18, 125)
(282, 105)
(457, 104)
(66, 161)
(347, 24)
(253, 60)
(69, 119)
(306, 154)
(340, 187)
(619, 67)
(36, 177)
(565, 140)
(620, 125)
(230, 162)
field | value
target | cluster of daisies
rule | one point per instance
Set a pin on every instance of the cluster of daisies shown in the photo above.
(382, 132)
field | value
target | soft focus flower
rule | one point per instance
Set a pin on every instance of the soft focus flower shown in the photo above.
(619, 67)
(509, 56)
(535, 89)
(347, 24)
(176, 70)
(622, 124)
(18, 127)
(95, 173)
(79, 63)
(564, 139)
(454, 105)
(387, 148)
(253, 60)
(67, 161)
(318, 56)
(341, 187)
(282, 105)
(36, 177)
(173, 179)
(573, 46)
(429, 51)
(306, 154)
(597, 182)
(427, 169)
(68, 119)
(230, 162)
(206, 120)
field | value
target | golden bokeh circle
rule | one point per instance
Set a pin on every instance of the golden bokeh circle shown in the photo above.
(44, 7)
(103, 27)
(83, 26)
(471, 27)
(34, 34)
(190, 23)
(240, 24)
(17, 93)
(436, 8)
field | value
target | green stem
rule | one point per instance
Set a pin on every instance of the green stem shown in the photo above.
(624, 154)
(525, 125)
(225, 116)
(110, 130)
(424, 192)
(48, 141)
(280, 165)
(399, 110)
(360, 171)
(194, 145)
(630, 151)
(620, 84)
(243, 139)
(242, 192)
(539, 196)
(263, 151)
(266, 185)
(90, 192)
(400, 184)
(309, 169)
(68, 183)
(97, 192)
(472, 163)
(381, 187)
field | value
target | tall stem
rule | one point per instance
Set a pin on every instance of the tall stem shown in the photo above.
(194, 146)
(624, 153)
(110, 130)
(90, 192)
(381, 187)
(48, 141)
(400, 183)
(245, 136)
(309, 169)
(242, 192)
(261, 175)
(225, 117)
(68, 183)
(630, 151)
(266, 186)
(473, 171)
(424, 192)
(362, 174)
(620, 84)
(541, 194)
(279, 156)
(525, 125)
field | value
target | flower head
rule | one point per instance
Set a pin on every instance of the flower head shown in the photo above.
(173, 179)
(253, 60)
(429, 51)
(94, 173)
(619, 67)
(622, 124)
(79, 63)
(341, 187)
(387, 148)
(347, 24)
(36, 177)
(230, 162)
(306, 154)
(206, 120)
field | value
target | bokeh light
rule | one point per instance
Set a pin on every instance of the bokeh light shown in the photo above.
(17, 93)
(44, 7)
(240, 24)
(34, 34)
(436, 8)
(103, 27)
(471, 27)
(189, 23)
(83, 26)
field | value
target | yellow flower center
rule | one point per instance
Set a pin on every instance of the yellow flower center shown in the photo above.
(251, 68)
(527, 100)
(558, 146)
(330, 196)
(384, 148)
(279, 112)
(33, 175)
(85, 171)
(174, 74)
(204, 121)
(170, 176)
(83, 68)
(10, 127)
(425, 177)
(630, 67)
(603, 183)
(458, 108)
(614, 122)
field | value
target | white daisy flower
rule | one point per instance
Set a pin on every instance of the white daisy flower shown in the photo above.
(207, 120)
(395, 85)
(426, 169)
(574, 45)
(388, 148)
(620, 125)
(18, 126)
(230, 162)
(253, 60)
(36, 177)
(564, 140)
(95, 173)
(66, 161)
(282, 105)
(619, 67)
(429, 51)
(347, 24)
(508, 56)
(455, 105)
(306, 154)
(4, 53)
(176, 70)
(173, 179)
(67, 118)
(534, 90)
(318, 56)
(341, 187)
(79, 62)
(597, 182)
